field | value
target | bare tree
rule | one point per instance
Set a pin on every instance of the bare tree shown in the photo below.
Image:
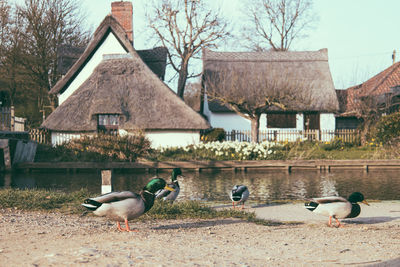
(193, 95)
(4, 22)
(277, 23)
(11, 48)
(263, 92)
(184, 27)
(49, 24)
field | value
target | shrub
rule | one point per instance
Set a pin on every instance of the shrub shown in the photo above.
(387, 129)
(98, 148)
(122, 148)
(215, 134)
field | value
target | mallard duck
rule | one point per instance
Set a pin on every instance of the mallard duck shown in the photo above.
(239, 194)
(337, 207)
(124, 206)
(171, 195)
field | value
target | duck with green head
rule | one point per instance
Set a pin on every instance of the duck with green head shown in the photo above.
(337, 207)
(171, 195)
(125, 206)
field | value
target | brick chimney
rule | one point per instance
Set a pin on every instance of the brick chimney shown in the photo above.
(123, 12)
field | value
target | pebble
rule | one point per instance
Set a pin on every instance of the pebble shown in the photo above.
(88, 252)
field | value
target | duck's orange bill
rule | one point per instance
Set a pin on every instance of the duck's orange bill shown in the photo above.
(169, 188)
(365, 202)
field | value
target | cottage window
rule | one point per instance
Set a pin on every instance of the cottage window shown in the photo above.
(281, 120)
(108, 123)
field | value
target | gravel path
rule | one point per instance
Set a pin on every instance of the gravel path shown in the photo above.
(53, 239)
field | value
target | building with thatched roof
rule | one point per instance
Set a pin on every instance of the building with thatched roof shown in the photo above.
(380, 92)
(112, 87)
(308, 71)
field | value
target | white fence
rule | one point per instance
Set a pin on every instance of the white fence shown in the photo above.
(350, 136)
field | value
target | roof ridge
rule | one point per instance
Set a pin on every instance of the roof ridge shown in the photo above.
(267, 56)
(322, 50)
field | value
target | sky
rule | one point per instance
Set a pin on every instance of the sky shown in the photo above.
(360, 35)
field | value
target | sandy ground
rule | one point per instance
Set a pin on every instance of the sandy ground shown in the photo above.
(51, 239)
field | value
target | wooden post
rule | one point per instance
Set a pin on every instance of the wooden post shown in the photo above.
(289, 169)
(106, 181)
(7, 160)
(366, 168)
(6, 151)
(7, 180)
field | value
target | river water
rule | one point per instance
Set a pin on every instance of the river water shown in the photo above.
(264, 186)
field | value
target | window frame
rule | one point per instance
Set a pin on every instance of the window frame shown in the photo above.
(108, 123)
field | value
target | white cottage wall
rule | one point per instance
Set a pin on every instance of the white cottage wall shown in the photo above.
(299, 121)
(158, 139)
(172, 139)
(327, 122)
(227, 120)
(110, 45)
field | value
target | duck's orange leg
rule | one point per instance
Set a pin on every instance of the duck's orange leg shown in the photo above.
(233, 204)
(330, 221)
(119, 227)
(338, 223)
(127, 228)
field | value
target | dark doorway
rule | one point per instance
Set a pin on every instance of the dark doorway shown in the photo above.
(311, 121)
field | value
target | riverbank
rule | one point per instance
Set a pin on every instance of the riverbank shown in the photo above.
(236, 165)
(54, 239)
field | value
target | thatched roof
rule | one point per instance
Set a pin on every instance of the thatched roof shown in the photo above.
(154, 58)
(124, 85)
(309, 66)
(378, 86)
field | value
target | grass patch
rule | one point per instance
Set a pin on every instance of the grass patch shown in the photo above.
(38, 199)
(198, 210)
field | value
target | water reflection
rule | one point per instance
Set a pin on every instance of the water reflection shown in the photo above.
(215, 185)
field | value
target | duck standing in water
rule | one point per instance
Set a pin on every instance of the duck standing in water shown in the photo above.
(239, 194)
(171, 195)
(337, 207)
(124, 206)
